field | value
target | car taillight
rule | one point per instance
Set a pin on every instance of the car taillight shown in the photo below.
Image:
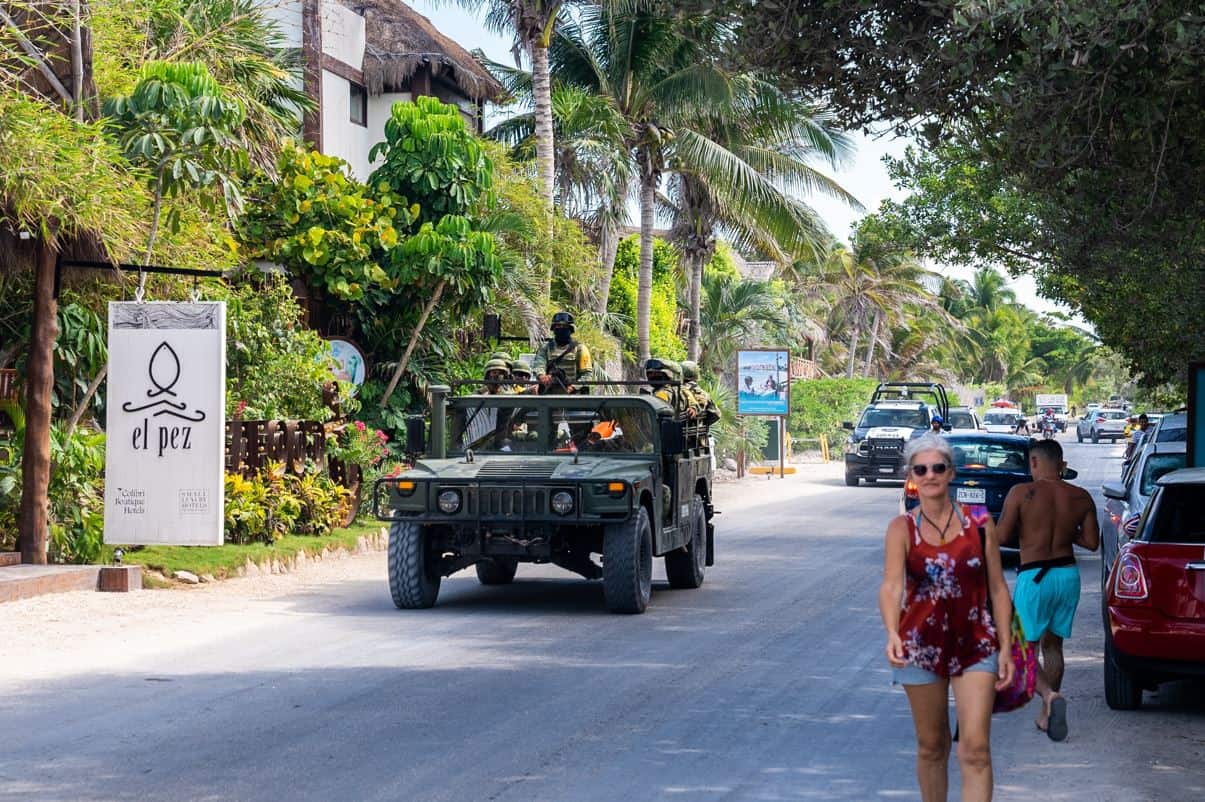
(1130, 584)
(911, 490)
(1100, 420)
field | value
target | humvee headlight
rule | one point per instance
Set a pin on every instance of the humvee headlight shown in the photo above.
(562, 503)
(449, 501)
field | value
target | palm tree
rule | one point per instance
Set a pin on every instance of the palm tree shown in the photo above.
(742, 179)
(732, 311)
(532, 23)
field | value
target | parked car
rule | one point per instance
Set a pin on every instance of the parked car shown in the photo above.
(1166, 429)
(1001, 421)
(1106, 423)
(986, 466)
(1127, 499)
(1154, 594)
(964, 419)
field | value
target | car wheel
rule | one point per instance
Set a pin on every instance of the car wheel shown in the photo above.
(628, 564)
(851, 479)
(1122, 692)
(413, 576)
(497, 570)
(684, 568)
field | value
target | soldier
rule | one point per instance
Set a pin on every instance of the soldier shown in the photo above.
(705, 408)
(520, 372)
(497, 372)
(562, 362)
(661, 373)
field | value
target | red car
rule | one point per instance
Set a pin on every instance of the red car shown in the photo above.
(1155, 594)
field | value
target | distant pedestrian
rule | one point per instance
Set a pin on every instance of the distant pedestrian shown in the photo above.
(1049, 516)
(936, 424)
(944, 634)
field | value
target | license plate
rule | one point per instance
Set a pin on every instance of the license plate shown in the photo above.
(970, 495)
(886, 470)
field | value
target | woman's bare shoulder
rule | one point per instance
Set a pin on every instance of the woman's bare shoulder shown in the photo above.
(898, 527)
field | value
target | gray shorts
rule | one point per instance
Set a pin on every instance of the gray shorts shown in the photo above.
(913, 675)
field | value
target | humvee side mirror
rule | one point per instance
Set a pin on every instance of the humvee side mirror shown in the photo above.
(416, 435)
(848, 425)
(672, 439)
(1070, 473)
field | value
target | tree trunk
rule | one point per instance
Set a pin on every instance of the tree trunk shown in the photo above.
(644, 287)
(82, 408)
(39, 387)
(874, 337)
(418, 329)
(694, 276)
(854, 338)
(541, 87)
(608, 245)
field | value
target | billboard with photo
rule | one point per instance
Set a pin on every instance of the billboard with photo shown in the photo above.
(763, 382)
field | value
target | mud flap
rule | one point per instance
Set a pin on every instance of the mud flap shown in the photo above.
(710, 544)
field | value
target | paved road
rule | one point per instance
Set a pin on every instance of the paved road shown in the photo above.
(767, 684)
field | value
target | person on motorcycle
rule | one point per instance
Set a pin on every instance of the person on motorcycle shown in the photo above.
(1049, 423)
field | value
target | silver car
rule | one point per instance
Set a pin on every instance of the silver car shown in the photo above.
(1108, 423)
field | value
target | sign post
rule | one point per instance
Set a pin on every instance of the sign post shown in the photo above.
(763, 388)
(165, 418)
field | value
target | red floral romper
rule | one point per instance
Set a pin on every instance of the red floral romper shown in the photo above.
(945, 624)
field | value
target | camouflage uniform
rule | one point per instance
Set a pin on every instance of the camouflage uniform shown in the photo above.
(662, 388)
(570, 360)
(495, 364)
(520, 371)
(705, 409)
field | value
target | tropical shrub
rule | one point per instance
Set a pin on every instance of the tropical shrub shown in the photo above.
(819, 406)
(664, 341)
(276, 502)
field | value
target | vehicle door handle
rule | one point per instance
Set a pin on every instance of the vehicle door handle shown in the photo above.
(1198, 566)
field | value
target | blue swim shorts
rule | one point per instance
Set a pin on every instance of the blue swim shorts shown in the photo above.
(913, 675)
(1048, 605)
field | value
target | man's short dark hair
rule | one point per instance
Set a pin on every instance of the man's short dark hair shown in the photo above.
(1049, 450)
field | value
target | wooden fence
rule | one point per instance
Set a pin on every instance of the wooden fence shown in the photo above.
(251, 444)
(8, 384)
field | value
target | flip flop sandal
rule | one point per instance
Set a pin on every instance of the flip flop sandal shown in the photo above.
(1056, 729)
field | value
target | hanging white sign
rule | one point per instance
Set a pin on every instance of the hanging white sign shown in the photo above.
(165, 413)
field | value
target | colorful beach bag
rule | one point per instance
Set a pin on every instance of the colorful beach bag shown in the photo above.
(1025, 674)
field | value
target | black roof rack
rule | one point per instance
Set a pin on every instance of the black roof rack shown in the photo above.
(896, 391)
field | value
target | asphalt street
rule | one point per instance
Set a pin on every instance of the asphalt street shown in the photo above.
(768, 683)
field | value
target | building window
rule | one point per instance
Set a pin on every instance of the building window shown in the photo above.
(359, 104)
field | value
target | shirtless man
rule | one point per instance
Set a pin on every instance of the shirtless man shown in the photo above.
(1049, 516)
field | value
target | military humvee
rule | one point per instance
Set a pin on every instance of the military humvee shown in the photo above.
(507, 479)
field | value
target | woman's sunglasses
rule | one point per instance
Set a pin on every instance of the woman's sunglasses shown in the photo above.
(938, 469)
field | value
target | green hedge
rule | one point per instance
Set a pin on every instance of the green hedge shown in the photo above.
(819, 406)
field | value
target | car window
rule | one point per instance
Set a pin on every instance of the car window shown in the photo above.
(962, 420)
(1180, 517)
(907, 418)
(1116, 415)
(997, 418)
(1172, 434)
(509, 430)
(1156, 466)
(990, 455)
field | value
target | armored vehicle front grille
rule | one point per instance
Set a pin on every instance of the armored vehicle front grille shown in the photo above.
(518, 468)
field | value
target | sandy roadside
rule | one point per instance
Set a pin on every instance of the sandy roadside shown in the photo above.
(62, 634)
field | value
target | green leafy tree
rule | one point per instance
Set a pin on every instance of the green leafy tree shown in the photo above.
(430, 157)
(179, 125)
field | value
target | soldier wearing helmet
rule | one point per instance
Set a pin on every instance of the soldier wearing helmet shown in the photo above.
(497, 373)
(563, 362)
(520, 372)
(664, 376)
(705, 408)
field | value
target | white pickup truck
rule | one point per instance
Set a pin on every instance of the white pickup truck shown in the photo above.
(1055, 401)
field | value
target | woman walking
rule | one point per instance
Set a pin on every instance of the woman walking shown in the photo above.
(945, 635)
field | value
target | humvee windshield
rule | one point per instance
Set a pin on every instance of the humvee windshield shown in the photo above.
(592, 428)
(893, 416)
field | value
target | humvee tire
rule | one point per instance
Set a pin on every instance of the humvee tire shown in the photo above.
(851, 479)
(685, 569)
(628, 564)
(413, 583)
(497, 571)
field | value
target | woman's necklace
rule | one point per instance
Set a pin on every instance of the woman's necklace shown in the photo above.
(942, 531)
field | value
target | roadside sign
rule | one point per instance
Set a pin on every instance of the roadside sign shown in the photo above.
(165, 423)
(763, 382)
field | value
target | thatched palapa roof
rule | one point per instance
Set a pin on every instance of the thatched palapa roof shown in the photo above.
(400, 41)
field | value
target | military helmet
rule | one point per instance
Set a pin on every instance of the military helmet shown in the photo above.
(497, 364)
(519, 369)
(501, 355)
(563, 319)
(690, 370)
(667, 368)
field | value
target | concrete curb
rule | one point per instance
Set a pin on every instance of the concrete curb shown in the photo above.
(365, 544)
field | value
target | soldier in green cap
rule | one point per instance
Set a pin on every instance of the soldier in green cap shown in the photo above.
(520, 372)
(705, 408)
(562, 362)
(497, 373)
